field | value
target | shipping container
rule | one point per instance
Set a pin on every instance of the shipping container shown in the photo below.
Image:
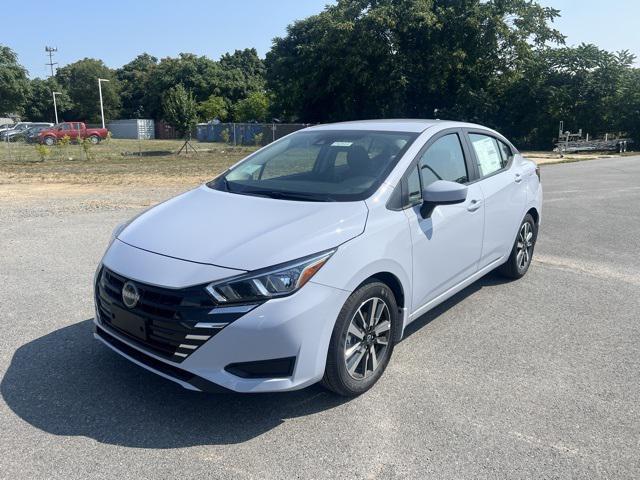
(135, 129)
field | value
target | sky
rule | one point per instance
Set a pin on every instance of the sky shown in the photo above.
(117, 30)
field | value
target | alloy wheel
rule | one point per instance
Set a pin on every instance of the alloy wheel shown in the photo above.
(524, 246)
(367, 338)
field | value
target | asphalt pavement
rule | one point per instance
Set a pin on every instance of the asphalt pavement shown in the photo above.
(537, 378)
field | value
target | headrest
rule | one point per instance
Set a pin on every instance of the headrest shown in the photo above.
(358, 158)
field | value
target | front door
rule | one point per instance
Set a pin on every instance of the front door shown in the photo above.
(447, 245)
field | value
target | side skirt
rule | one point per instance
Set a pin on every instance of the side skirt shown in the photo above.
(450, 293)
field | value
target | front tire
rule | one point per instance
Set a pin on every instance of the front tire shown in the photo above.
(49, 141)
(94, 139)
(522, 252)
(362, 340)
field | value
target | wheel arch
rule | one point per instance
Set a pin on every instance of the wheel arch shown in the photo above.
(395, 285)
(391, 281)
(533, 211)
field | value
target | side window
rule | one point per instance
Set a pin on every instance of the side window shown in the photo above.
(444, 160)
(414, 190)
(487, 153)
(506, 153)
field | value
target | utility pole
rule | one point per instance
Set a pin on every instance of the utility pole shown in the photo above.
(55, 106)
(100, 80)
(50, 51)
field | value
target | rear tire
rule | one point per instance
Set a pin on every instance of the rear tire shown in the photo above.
(362, 340)
(522, 252)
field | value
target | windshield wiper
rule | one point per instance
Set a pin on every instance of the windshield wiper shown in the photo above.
(309, 197)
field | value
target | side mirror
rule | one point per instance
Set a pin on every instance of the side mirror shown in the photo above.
(441, 192)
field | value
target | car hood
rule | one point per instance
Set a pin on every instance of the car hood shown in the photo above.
(241, 231)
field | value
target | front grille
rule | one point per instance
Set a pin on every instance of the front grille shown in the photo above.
(172, 323)
(174, 372)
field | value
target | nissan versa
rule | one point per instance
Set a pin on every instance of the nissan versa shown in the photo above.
(307, 260)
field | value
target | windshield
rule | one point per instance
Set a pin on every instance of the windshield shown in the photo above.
(325, 165)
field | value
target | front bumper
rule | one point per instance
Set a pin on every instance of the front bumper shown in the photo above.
(297, 326)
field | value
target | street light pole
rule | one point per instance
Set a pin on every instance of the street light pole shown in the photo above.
(100, 80)
(55, 106)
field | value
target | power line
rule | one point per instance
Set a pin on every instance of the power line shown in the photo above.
(50, 51)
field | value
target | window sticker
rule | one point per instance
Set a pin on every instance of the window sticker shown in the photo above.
(341, 144)
(489, 159)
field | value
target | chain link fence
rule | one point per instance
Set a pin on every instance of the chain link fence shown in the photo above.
(245, 133)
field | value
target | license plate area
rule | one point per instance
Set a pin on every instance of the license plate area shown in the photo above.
(129, 323)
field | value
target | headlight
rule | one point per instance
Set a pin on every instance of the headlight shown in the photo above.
(271, 282)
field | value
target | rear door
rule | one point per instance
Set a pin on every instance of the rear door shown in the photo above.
(447, 245)
(503, 191)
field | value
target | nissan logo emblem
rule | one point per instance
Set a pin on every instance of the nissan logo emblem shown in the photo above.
(130, 295)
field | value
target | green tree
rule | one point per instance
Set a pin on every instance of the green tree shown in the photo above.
(213, 108)
(180, 109)
(584, 86)
(39, 104)
(373, 58)
(197, 74)
(241, 73)
(14, 84)
(253, 108)
(233, 78)
(80, 81)
(628, 104)
(134, 79)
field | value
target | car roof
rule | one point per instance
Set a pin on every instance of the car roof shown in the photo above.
(394, 125)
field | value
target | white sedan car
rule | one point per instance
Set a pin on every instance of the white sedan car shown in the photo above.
(306, 261)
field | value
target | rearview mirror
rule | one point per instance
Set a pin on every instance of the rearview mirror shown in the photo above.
(441, 192)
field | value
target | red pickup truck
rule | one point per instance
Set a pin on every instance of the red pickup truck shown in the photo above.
(73, 130)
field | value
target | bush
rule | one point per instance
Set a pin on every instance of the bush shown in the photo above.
(257, 139)
(224, 135)
(86, 148)
(64, 141)
(43, 151)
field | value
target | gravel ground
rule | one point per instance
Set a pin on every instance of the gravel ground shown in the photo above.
(538, 378)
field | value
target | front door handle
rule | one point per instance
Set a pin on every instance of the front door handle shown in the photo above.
(474, 205)
(518, 178)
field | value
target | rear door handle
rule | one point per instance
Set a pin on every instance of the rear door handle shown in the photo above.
(518, 178)
(474, 205)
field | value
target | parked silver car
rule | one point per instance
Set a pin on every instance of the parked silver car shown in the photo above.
(18, 127)
(20, 130)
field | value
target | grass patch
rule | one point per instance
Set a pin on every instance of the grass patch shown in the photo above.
(117, 162)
